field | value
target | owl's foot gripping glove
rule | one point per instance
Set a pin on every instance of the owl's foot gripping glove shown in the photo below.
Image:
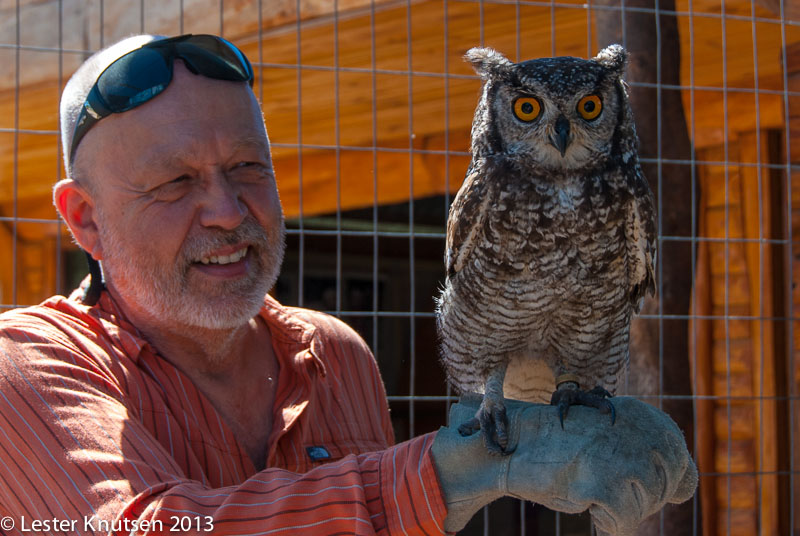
(621, 473)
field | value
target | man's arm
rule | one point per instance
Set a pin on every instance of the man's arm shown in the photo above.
(73, 448)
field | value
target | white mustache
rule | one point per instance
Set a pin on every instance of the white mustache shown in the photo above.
(249, 233)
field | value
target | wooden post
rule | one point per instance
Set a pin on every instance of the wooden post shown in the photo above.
(758, 206)
(6, 266)
(792, 62)
(701, 347)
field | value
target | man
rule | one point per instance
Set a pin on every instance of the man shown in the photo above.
(187, 399)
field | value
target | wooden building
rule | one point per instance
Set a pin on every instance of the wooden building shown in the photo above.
(369, 105)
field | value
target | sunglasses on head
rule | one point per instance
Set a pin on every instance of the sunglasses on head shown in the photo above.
(141, 74)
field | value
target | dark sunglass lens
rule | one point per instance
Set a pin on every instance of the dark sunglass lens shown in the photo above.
(241, 59)
(214, 58)
(134, 79)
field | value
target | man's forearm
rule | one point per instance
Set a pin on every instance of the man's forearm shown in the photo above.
(389, 492)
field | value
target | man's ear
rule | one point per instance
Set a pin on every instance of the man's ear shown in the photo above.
(76, 206)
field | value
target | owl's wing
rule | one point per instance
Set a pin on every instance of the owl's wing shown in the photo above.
(640, 230)
(467, 215)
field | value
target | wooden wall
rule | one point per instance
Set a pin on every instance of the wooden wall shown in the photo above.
(376, 94)
(333, 112)
(737, 368)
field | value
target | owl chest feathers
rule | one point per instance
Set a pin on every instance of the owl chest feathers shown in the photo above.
(545, 280)
(548, 230)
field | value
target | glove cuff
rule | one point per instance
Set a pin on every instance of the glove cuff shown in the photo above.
(469, 475)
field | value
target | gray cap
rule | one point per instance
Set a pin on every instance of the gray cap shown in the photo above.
(72, 100)
(82, 81)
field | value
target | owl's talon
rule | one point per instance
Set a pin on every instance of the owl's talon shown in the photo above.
(597, 398)
(600, 391)
(563, 410)
(491, 418)
(494, 422)
(605, 406)
(492, 437)
(470, 427)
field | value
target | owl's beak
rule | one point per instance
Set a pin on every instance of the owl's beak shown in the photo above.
(560, 138)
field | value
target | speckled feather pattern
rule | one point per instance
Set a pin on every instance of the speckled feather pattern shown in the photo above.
(548, 256)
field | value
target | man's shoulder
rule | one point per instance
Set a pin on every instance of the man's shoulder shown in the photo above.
(52, 315)
(61, 328)
(326, 324)
(325, 329)
(40, 336)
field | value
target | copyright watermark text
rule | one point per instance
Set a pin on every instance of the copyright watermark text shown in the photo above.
(94, 523)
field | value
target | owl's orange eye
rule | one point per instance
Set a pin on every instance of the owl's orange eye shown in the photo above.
(590, 107)
(527, 108)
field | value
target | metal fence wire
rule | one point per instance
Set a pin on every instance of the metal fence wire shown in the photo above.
(368, 104)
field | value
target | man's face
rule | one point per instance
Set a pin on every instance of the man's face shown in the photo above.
(190, 225)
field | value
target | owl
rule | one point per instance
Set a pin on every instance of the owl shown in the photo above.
(551, 240)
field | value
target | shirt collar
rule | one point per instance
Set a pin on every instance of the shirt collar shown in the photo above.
(287, 328)
(296, 337)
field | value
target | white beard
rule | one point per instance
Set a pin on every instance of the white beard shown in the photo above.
(166, 293)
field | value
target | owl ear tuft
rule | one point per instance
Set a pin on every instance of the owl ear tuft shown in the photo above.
(487, 62)
(613, 57)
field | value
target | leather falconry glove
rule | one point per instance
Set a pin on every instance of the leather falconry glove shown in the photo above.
(621, 474)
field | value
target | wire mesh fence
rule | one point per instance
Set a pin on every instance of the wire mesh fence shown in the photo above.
(368, 105)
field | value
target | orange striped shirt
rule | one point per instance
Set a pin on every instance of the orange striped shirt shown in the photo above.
(98, 433)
